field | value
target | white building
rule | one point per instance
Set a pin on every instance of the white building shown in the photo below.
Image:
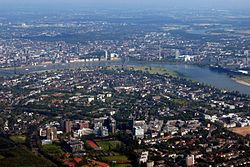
(44, 142)
(138, 132)
(84, 132)
(104, 131)
(143, 158)
(114, 56)
(90, 99)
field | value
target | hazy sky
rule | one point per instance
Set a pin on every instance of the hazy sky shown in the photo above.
(154, 4)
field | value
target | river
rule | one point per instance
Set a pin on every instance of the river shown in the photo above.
(202, 75)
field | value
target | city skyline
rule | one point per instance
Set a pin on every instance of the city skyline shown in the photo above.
(115, 83)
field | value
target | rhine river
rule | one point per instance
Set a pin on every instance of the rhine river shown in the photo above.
(202, 75)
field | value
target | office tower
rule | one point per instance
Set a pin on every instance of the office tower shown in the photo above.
(177, 54)
(67, 126)
(51, 133)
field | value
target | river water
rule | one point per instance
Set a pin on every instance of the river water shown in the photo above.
(202, 75)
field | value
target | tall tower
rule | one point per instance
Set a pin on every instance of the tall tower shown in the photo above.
(160, 56)
(106, 55)
(15, 64)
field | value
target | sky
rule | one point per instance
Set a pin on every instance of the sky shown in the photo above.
(126, 4)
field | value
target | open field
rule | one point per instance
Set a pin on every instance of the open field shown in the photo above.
(154, 70)
(111, 153)
(19, 139)
(109, 145)
(242, 130)
(115, 158)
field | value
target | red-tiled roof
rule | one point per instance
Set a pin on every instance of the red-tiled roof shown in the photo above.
(70, 163)
(98, 163)
(92, 144)
(77, 160)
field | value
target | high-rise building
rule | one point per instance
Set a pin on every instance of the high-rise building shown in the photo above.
(160, 56)
(111, 124)
(246, 53)
(106, 55)
(177, 54)
(51, 133)
(67, 126)
(112, 127)
(42, 132)
(190, 160)
(138, 132)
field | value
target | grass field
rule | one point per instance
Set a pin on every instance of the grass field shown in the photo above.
(111, 152)
(19, 139)
(123, 165)
(109, 145)
(53, 150)
(242, 130)
(115, 158)
(154, 70)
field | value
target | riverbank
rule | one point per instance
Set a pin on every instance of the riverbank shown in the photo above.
(56, 64)
(155, 70)
(242, 80)
(199, 74)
